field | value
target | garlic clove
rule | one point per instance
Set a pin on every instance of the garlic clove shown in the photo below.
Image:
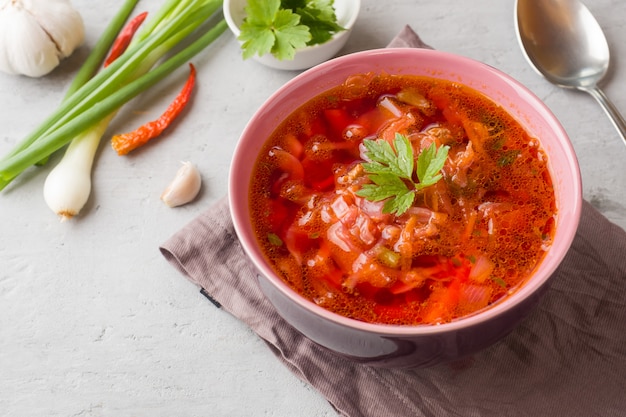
(5, 41)
(185, 186)
(36, 34)
(32, 52)
(61, 22)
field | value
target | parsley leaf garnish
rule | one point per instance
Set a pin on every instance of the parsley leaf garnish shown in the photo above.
(319, 16)
(274, 239)
(429, 164)
(391, 171)
(508, 157)
(281, 27)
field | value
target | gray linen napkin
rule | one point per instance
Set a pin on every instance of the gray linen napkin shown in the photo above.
(568, 358)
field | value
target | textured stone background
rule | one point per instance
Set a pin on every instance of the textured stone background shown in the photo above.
(93, 322)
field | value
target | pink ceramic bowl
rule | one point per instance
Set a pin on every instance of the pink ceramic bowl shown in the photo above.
(409, 346)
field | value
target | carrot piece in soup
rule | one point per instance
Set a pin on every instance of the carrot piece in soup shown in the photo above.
(442, 302)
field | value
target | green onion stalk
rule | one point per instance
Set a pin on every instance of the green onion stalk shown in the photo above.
(94, 98)
(93, 62)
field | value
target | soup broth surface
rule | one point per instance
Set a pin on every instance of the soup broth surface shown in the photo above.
(466, 242)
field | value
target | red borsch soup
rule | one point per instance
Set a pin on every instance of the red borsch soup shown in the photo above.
(402, 199)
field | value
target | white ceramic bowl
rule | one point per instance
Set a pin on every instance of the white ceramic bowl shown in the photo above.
(347, 12)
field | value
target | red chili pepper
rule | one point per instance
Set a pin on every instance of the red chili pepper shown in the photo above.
(127, 142)
(125, 36)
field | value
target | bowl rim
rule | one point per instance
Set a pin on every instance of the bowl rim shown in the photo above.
(520, 294)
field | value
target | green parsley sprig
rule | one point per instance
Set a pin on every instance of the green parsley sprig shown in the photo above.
(280, 27)
(391, 171)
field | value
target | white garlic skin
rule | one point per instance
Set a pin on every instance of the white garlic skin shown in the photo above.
(185, 186)
(35, 35)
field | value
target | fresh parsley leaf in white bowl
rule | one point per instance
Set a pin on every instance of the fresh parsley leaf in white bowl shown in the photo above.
(291, 34)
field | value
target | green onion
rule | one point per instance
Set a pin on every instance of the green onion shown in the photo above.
(99, 52)
(93, 61)
(133, 72)
(274, 239)
(87, 70)
(388, 257)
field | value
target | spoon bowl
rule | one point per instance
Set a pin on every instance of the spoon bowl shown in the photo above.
(565, 43)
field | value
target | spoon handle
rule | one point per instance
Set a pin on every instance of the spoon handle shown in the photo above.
(611, 110)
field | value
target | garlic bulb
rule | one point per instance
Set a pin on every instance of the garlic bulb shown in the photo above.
(185, 186)
(36, 34)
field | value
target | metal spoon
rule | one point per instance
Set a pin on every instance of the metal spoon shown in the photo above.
(564, 43)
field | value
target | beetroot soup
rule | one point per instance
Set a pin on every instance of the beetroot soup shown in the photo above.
(402, 200)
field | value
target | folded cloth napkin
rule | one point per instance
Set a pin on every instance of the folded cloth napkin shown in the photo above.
(568, 358)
